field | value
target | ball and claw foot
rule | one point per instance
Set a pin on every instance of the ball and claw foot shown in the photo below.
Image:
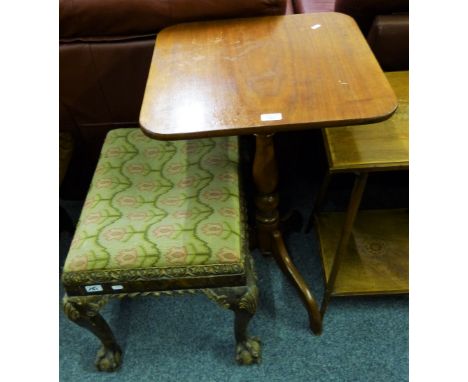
(249, 351)
(108, 359)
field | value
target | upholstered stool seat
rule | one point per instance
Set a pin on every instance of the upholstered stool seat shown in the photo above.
(161, 217)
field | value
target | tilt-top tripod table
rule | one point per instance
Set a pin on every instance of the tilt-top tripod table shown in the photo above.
(260, 76)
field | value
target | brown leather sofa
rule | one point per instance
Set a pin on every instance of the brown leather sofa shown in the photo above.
(385, 23)
(105, 53)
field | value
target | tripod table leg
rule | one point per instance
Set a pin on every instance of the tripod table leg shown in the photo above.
(265, 174)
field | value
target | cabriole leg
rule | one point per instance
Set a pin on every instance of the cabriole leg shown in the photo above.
(84, 311)
(243, 302)
(248, 349)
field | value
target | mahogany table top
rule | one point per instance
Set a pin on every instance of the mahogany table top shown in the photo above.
(262, 75)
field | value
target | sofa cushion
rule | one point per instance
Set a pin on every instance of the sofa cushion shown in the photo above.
(310, 6)
(117, 18)
(169, 207)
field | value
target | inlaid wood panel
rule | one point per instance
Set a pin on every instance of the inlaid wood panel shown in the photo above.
(262, 75)
(376, 260)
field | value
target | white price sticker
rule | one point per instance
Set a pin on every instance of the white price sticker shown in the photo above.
(93, 288)
(271, 117)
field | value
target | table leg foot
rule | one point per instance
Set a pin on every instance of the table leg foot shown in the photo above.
(284, 261)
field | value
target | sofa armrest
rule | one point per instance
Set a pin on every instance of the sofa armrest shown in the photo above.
(364, 11)
(389, 40)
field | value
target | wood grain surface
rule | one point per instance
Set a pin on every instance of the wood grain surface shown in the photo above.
(384, 146)
(262, 75)
(376, 260)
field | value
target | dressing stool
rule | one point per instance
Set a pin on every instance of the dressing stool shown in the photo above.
(161, 217)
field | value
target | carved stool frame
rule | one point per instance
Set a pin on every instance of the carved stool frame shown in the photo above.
(242, 300)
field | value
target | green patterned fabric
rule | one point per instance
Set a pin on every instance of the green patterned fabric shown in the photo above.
(160, 204)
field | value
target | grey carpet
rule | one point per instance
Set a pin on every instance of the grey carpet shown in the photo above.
(189, 338)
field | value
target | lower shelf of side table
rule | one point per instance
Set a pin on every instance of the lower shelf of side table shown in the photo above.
(376, 261)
